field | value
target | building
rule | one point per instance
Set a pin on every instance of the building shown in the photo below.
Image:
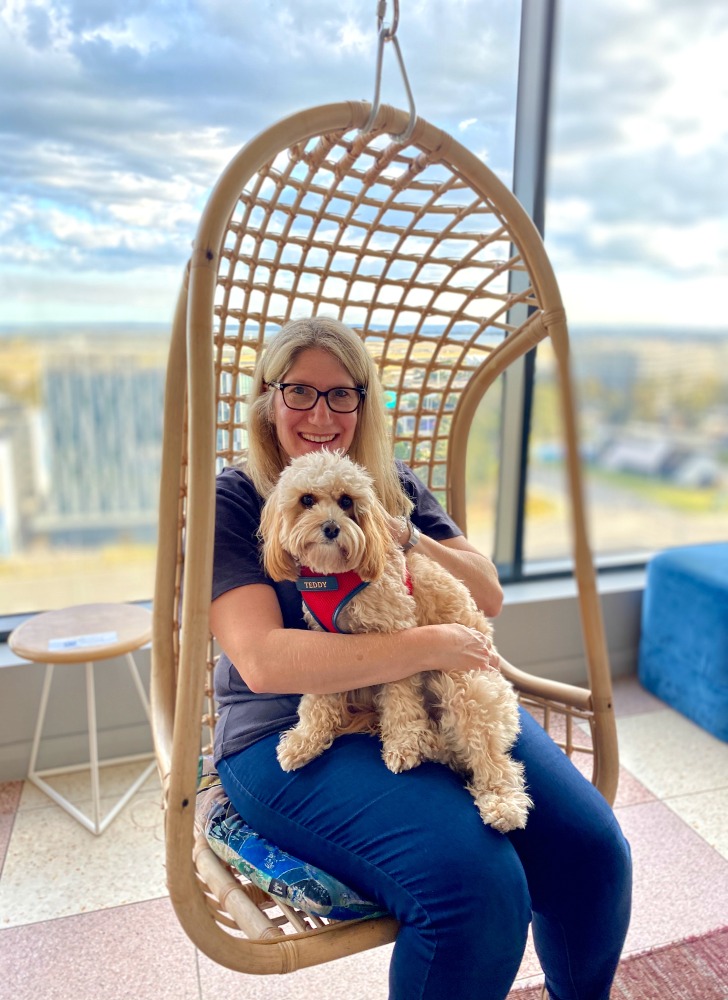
(103, 404)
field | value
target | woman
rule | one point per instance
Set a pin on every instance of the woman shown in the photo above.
(463, 893)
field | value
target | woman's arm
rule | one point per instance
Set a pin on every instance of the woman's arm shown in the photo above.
(272, 659)
(464, 561)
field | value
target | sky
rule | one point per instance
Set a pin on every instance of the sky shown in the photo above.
(116, 118)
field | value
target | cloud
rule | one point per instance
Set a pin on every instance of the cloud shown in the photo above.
(638, 155)
(88, 296)
(117, 117)
(630, 294)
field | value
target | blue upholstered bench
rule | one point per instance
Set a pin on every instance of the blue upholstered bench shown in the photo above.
(684, 643)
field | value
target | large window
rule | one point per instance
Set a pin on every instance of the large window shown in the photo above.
(116, 121)
(637, 229)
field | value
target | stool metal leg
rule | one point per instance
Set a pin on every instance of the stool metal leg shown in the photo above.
(37, 777)
(47, 680)
(95, 825)
(134, 670)
(131, 790)
(93, 746)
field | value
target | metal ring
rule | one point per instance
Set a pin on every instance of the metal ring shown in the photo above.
(381, 11)
(387, 35)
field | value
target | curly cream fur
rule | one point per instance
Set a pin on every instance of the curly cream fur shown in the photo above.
(468, 721)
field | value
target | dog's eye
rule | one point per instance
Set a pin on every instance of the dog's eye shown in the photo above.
(308, 500)
(345, 502)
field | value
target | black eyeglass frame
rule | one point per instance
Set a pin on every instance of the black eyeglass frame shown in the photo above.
(360, 390)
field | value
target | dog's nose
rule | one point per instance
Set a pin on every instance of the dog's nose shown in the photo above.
(330, 529)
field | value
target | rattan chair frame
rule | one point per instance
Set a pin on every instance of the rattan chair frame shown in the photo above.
(270, 244)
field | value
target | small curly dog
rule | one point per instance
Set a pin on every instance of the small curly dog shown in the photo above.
(324, 527)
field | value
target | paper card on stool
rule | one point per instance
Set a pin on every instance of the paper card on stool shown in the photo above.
(81, 641)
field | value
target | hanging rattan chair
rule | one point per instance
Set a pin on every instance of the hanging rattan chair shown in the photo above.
(423, 251)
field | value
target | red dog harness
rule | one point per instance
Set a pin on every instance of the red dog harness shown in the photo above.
(326, 596)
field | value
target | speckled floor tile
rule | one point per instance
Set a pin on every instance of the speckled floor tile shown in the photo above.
(630, 698)
(630, 791)
(54, 867)
(76, 785)
(86, 917)
(680, 883)
(671, 755)
(707, 814)
(358, 977)
(10, 792)
(6, 828)
(133, 951)
(530, 970)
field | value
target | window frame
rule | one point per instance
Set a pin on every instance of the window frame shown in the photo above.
(533, 99)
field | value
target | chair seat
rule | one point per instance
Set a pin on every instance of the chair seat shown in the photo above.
(281, 875)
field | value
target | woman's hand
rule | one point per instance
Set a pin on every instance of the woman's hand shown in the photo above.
(468, 649)
(400, 529)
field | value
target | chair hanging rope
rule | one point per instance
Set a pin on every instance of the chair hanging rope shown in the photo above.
(389, 34)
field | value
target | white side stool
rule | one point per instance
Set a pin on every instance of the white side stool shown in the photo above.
(85, 634)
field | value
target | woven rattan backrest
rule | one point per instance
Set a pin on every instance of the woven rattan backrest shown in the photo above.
(395, 242)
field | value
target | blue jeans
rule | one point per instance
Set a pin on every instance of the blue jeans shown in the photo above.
(463, 893)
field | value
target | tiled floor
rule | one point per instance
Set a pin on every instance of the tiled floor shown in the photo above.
(86, 918)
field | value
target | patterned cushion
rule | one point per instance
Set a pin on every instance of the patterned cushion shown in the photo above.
(279, 874)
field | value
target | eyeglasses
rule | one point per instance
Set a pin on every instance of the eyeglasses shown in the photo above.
(341, 399)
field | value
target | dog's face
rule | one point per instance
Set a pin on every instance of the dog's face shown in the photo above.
(324, 514)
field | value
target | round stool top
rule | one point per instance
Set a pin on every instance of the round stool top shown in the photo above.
(82, 633)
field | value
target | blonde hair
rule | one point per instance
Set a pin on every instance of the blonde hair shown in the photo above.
(371, 445)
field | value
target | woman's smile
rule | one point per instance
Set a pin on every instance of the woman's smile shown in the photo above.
(302, 431)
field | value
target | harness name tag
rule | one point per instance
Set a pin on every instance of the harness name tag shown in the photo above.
(307, 583)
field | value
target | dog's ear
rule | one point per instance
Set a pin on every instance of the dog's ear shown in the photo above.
(373, 522)
(278, 564)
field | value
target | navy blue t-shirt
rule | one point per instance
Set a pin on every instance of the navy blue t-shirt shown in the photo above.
(245, 716)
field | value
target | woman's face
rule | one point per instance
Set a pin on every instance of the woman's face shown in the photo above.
(301, 432)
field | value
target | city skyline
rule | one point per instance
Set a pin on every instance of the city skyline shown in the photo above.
(80, 444)
(85, 415)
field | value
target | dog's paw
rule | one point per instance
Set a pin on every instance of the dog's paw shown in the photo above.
(404, 754)
(288, 760)
(504, 812)
(430, 747)
(293, 752)
(401, 759)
